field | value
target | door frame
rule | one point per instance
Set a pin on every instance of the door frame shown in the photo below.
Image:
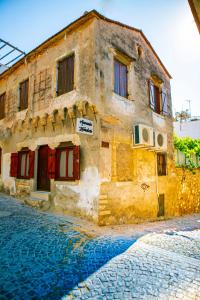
(37, 161)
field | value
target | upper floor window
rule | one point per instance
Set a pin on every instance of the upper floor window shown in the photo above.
(65, 75)
(23, 95)
(161, 164)
(157, 97)
(2, 105)
(120, 78)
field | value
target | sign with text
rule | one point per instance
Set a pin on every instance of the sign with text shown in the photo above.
(84, 126)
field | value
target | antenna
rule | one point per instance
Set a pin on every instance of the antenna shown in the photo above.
(189, 103)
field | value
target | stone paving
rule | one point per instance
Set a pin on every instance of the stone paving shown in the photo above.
(44, 256)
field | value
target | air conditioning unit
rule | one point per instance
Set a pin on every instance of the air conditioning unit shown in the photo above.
(160, 141)
(142, 136)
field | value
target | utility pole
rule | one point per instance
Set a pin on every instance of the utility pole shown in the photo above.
(189, 103)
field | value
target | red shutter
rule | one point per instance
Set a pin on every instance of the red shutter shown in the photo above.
(51, 163)
(14, 164)
(76, 161)
(31, 163)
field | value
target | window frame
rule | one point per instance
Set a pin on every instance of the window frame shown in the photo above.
(161, 168)
(59, 92)
(59, 150)
(120, 63)
(3, 114)
(20, 153)
(21, 107)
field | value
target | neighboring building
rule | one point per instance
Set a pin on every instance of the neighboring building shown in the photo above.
(68, 112)
(195, 8)
(188, 128)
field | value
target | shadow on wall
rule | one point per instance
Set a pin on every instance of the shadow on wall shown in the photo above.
(43, 256)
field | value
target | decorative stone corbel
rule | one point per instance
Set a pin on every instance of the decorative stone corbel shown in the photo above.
(94, 109)
(71, 114)
(62, 113)
(52, 118)
(35, 122)
(82, 107)
(43, 120)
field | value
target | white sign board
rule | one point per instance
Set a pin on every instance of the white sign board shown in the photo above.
(84, 126)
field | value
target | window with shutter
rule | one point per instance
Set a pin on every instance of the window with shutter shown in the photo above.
(23, 165)
(65, 75)
(120, 78)
(2, 105)
(23, 95)
(14, 164)
(161, 164)
(157, 99)
(68, 163)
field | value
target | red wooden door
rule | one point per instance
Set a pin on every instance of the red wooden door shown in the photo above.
(43, 181)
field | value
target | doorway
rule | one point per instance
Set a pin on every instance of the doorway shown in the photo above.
(43, 181)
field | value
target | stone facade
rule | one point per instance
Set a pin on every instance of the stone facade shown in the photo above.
(118, 183)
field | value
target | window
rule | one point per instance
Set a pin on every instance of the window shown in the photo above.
(66, 75)
(67, 163)
(158, 100)
(120, 79)
(2, 106)
(23, 95)
(23, 164)
(0, 159)
(161, 164)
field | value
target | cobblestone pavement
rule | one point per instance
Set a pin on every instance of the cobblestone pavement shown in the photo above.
(44, 256)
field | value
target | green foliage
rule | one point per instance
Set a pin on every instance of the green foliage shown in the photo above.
(190, 148)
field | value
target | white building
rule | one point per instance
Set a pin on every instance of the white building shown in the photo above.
(190, 128)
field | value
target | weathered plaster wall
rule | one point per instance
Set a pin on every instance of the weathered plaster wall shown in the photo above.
(45, 122)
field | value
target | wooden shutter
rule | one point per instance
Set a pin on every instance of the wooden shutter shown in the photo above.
(14, 164)
(120, 78)
(31, 163)
(0, 159)
(164, 103)
(2, 105)
(76, 162)
(23, 95)
(151, 96)
(51, 163)
(116, 76)
(66, 75)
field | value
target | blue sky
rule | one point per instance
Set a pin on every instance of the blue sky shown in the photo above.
(169, 26)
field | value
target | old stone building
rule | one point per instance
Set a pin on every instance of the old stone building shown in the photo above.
(86, 126)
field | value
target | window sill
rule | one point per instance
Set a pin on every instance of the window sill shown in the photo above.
(129, 98)
(66, 93)
(158, 115)
(22, 178)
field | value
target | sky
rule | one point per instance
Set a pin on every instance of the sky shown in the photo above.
(168, 25)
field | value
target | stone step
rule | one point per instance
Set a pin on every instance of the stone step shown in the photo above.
(40, 195)
(103, 197)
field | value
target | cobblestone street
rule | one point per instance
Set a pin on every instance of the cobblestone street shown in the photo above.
(46, 256)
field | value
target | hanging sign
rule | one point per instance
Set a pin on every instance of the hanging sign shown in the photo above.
(84, 126)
